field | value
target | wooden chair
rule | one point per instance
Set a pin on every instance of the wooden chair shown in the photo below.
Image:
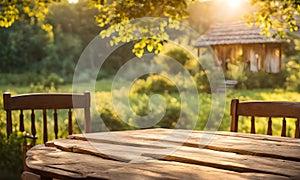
(45, 101)
(268, 109)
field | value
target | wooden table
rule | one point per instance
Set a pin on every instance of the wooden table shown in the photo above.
(167, 154)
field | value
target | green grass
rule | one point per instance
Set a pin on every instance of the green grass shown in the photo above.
(103, 106)
(101, 85)
(104, 86)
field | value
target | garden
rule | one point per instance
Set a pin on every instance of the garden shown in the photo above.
(49, 55)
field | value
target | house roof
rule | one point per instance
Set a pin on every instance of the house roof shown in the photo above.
(234, 33)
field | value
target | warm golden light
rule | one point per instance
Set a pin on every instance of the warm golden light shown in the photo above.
(73, 1)
(234, 3)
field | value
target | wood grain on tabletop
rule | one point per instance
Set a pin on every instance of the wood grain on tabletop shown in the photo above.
(168, 154)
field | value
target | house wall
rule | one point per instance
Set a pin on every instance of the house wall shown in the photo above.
(273, 58)
(256, 57)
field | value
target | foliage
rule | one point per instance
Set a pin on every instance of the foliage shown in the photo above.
(11, 165)
(29, 55)
(293, 74)
(114, 117)
(76, 20)
(47, 83)
(11, 155)
(22, 79)
(255, 80)
(116, 60)
(12, 10)
(115, 17)
(139, 104)
(275, 15)
(21, 48)
(154, 84)
(37, 82)
(188, 63)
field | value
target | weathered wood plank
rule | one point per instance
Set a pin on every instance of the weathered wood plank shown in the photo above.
(284, 140)
(241, 145)
(190, 155)
(103, 150)
(50, 161)
(231, 161)
(179, 132)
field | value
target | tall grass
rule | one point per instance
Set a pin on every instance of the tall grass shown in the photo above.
(105, 109)
(139, 105)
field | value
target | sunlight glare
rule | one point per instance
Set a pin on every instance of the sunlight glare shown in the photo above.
(73, 1)
(234, 3)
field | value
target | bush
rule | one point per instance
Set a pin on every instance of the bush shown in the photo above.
(187, 67)
(23, 79)
(154, 84)
(41, 81)
(49, 83)
(11, 156)
(255, 80)
(264, 80)
(106, 116)
(121, 117)
(202, 82)
(293, 74)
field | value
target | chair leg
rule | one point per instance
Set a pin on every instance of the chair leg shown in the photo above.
(24, 150)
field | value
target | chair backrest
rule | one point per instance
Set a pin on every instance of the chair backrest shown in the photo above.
(268, 109)
(44, 102)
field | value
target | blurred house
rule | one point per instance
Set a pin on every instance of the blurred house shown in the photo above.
(237, 43)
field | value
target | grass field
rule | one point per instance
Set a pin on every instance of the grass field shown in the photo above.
(103, 87)
(10, 152)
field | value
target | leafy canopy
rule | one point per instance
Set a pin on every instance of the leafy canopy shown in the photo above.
(275, 15)
(115, 16)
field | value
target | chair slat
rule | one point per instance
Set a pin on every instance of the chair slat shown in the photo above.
(7, 108)
(55, 123)
(33, 129)
(234, 115)
(45, 101)
(252, 125)
(269, 132)
(283, 131)
(87, 113)
(268, 109)
(21, 121)
(70, 122)
(45, 129)
(8, 123)
(297, 131)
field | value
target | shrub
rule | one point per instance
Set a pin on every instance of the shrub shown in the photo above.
(49, 83)
(23, 79)
(106, 116)
(254, 80)
(154, 84)
(120, 117)
(264, 80)
(11, 156)
(293, 74)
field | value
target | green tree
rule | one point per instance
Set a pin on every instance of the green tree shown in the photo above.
(27, 48)
(21, 47)
(115, 16)
(275, 15)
